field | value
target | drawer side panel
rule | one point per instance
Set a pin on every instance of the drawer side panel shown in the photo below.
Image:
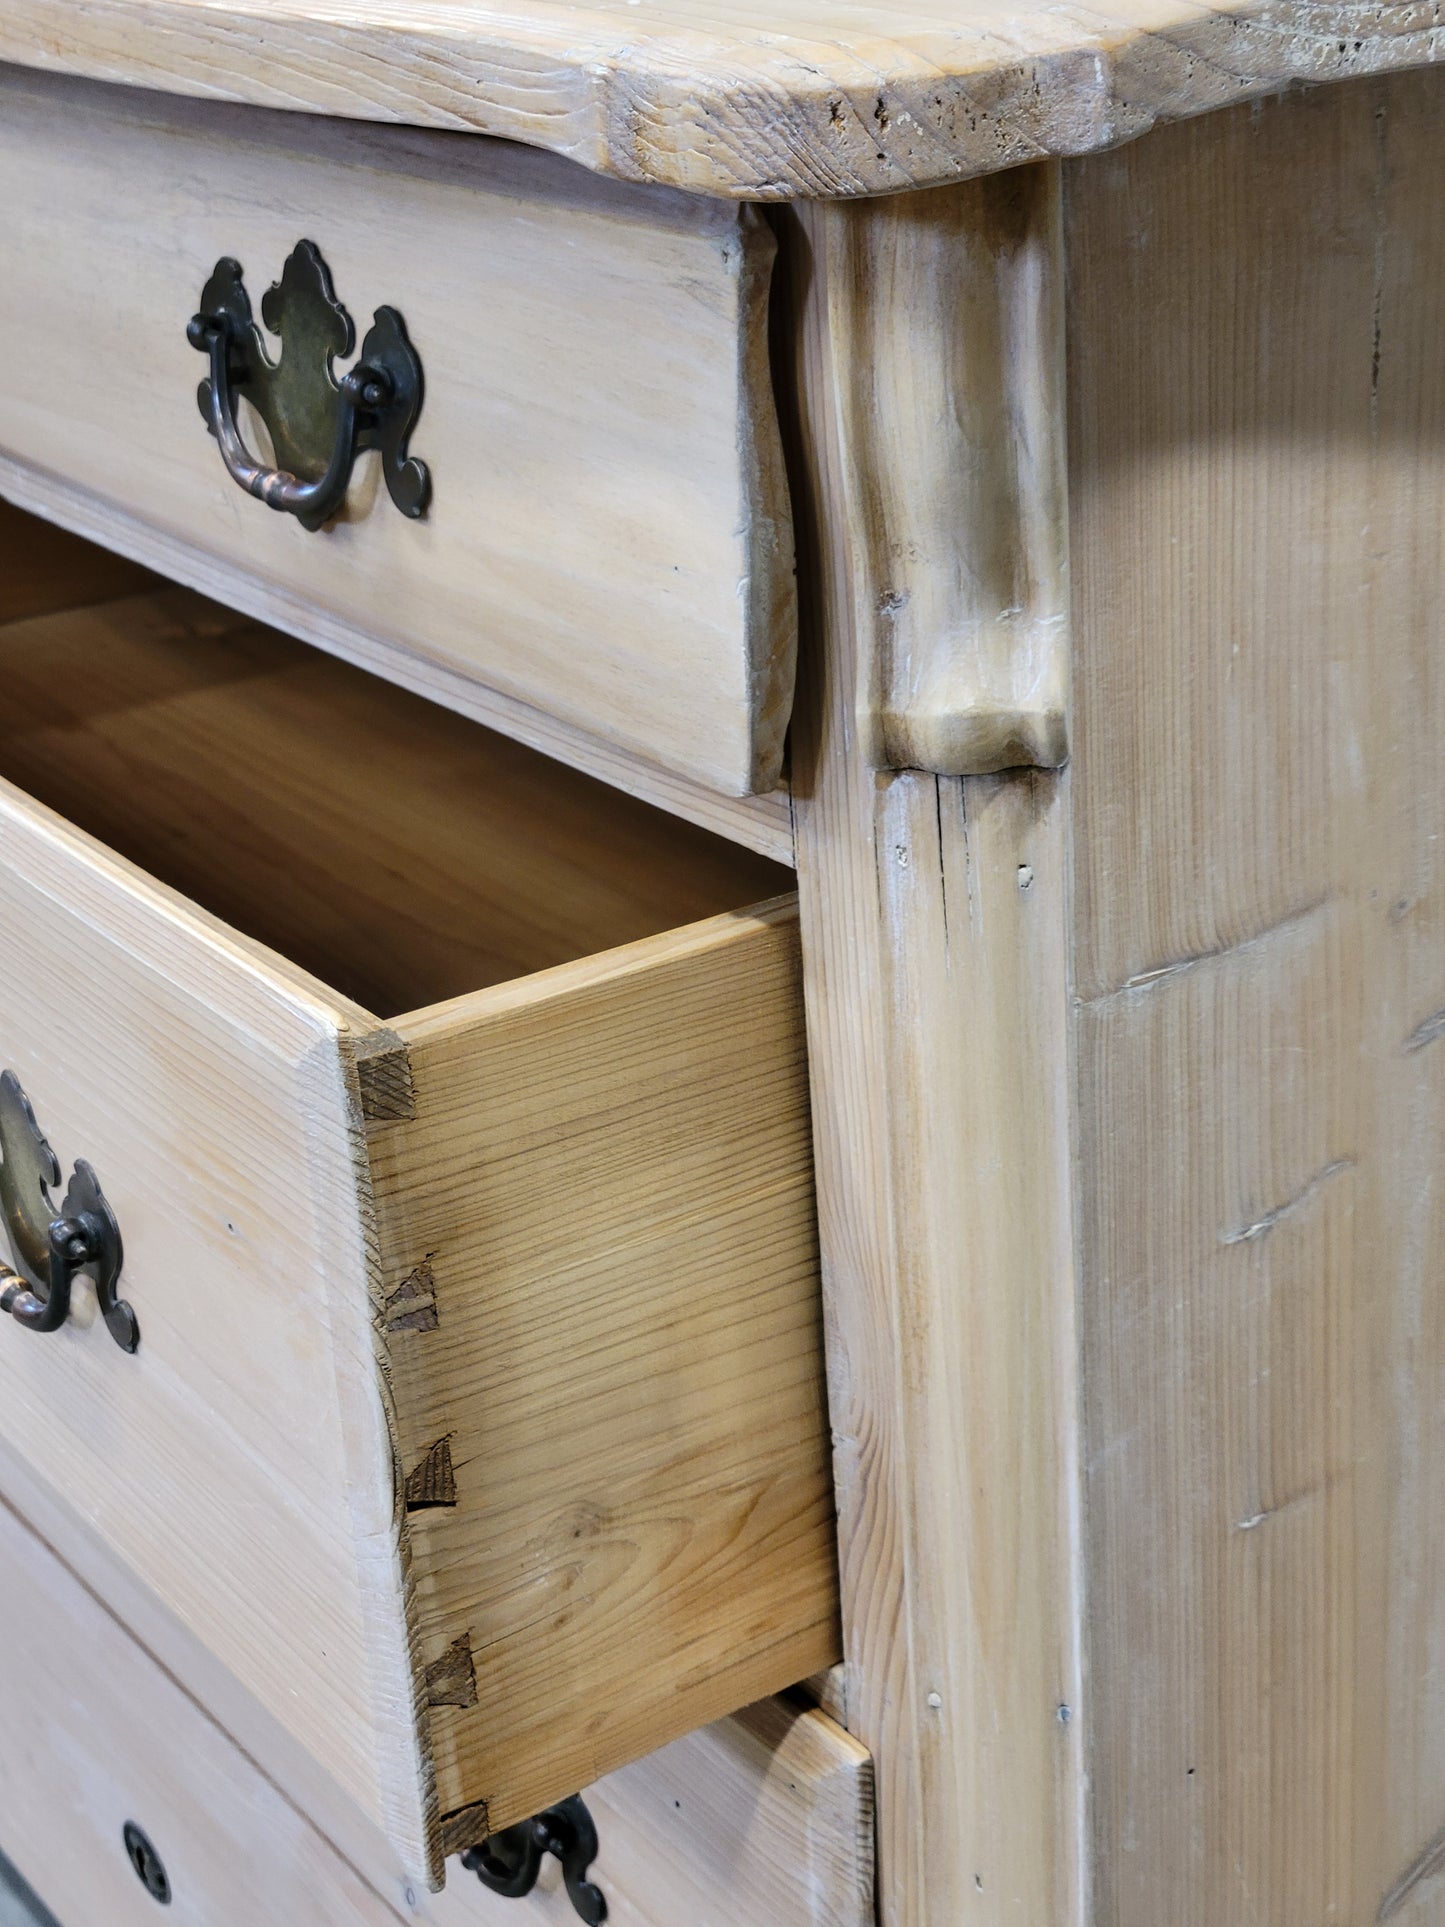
(599, 1246)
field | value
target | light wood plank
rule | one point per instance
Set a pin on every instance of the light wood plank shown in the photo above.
(96, 1734)
(1257, 437)
(768, 1814)
(609, 537)
(727, 97)
(287, 1763)
(240, 1459)
(763, 824)
(763, 1820)
(934, 936)
(391, 848)
(613, 1412)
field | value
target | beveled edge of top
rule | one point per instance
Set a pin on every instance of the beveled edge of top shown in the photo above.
(825, 101)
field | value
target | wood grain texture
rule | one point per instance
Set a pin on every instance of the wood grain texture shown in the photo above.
(726, 98)
(934, 933)
(101, 1736)
(609, 537)
(607, 1180)
(177, 1648)
(760, 823)
(762, 1820)
(618, 1142)
(240, 1459)
(949, 398)
(1257, 437)
(391, 848)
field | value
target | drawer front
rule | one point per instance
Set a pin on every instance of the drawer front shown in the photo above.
(608, 540)
(477, 1424)
(763, 1820)
(239, 1461)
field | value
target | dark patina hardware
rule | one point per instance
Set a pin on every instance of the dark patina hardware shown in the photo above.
(510, 1861)
(52, 1248)
(318, 422)
(149, 1867)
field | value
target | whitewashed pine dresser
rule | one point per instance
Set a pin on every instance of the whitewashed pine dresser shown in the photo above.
(722, 1009)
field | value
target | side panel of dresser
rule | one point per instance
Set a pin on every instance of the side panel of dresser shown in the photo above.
(763, 1820)
(608, 541)
(1257, 446)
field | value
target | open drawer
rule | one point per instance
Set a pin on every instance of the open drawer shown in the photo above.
(453, 1110)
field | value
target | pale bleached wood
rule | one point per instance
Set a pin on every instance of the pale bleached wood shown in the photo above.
(1257, 438)
(287, 1762)
(339, 821)
(723, 97)
(949, 397)
(830, 1691)
(762, 1820)
(239, 1459)
(767, 1814)
(393, 849)
(934, 925)
(759, 823)
(606, 1184)
(609, 536)
(96, 1734)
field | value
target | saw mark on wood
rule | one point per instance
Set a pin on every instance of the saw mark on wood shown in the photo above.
(1257, 1519)
(1157, 974)
(1426, 1864)
(1425, 1033)
(383, 1070)
(467, 1827)
(1246, 1234)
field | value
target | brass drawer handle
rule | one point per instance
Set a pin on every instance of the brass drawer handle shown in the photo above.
(318, 424)
(53, 1248)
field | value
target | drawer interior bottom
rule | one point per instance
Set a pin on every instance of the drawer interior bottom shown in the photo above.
(399, 852)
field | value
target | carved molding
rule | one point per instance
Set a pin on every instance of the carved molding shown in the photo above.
(950, 397)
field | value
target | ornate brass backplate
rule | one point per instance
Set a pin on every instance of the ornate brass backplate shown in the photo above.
(318, 422)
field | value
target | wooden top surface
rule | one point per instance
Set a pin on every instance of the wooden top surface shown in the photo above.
(759, 99)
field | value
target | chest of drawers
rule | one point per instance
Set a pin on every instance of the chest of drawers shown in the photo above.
(865, 456)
